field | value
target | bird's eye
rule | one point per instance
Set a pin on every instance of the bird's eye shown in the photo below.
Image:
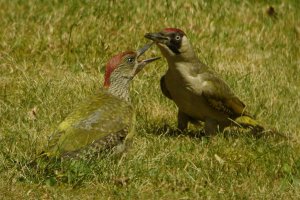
(177, 37)
(130, 60)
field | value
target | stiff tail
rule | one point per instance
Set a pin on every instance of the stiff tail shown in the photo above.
(246, 121)
(257, 127)
(41, 157)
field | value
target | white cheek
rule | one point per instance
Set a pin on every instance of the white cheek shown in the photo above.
(184, 44)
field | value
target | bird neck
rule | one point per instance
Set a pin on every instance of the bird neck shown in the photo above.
(186, 55)
(120, 87)
(187, 62)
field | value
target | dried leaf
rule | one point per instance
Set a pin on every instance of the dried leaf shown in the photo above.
(32, 114)
(219, 159)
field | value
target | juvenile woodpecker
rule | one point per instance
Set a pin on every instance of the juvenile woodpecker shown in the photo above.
(105, 120)
(198, 92)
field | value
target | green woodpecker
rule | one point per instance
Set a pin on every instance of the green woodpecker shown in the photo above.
(198, 92)
(106, 120)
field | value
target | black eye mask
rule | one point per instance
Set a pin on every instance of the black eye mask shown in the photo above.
(174, 44)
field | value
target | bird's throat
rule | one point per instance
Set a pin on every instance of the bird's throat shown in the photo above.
(120, 89)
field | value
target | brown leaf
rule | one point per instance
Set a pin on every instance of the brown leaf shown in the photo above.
(271, 11)
(121, 181)
(32, 114)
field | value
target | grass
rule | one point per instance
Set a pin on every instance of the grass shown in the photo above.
(51, 57)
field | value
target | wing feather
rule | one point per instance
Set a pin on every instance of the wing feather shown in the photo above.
(163, 88)
(220, 96)
(93, 120)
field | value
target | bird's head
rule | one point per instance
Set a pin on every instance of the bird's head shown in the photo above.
(171, 41)
(124, 66)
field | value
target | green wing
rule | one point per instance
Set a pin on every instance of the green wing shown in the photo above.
(220, 96)
(100, 116)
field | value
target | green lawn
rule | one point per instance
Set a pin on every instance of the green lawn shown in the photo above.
(52, 56)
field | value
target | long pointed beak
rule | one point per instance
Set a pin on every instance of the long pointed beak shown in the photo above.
(157, 37)
(142, 50)
(143, 63)
(147, 61)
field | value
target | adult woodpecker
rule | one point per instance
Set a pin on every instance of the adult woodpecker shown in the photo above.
(196, 90)
(105, 120)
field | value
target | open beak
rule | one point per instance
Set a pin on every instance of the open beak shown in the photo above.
(157, 37)
(143, 63)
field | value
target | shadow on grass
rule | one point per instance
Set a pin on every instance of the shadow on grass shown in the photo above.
(198, 132)
(170, 131)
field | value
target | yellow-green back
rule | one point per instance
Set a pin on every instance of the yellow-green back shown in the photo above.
(97, 117)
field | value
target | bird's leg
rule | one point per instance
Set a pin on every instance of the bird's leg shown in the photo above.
(212, 127)
(122, 157)
(126, 144)
(183, 120)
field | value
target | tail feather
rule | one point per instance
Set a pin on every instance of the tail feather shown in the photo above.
(257, 127)
(247, 121)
